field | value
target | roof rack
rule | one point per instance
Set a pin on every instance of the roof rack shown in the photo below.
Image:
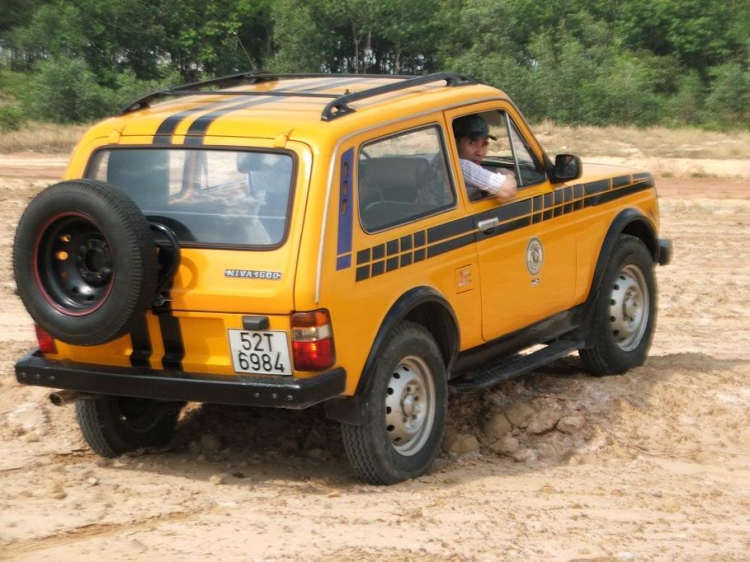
(338, 107)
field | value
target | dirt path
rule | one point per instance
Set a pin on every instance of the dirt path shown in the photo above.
(660, 469)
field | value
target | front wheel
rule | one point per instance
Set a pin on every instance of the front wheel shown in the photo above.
(405, 410)
(625, 311)
(113, 425)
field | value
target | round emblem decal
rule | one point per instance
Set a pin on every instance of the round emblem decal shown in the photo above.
(534, 256)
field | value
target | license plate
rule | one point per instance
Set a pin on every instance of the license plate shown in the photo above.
(262, 352)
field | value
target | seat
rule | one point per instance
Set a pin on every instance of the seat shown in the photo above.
(389, 189)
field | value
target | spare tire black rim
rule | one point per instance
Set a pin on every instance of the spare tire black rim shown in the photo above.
(73, 264)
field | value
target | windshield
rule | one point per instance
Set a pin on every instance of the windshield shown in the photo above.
(205, 196)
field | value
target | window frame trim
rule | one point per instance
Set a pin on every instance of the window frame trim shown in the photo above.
(448, 169)
(511, 123)
(508, 119)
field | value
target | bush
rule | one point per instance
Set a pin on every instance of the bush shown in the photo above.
(130, 88)
(11, 118)
(686, 105)
(728, 104)
(65, 91)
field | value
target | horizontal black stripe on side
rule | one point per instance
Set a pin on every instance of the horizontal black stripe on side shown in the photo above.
(363, 273)
(504, 228)
(597, 187)
(538, 203)
(622, 192)
(406, 244)
(450, 245)
(450, 229)
(621, 181)
(405, 260)
(378, 252)
(559, 196)
(363, 256)
(419, 239)
(506, 212)
(548, 200)
(392, 247)
(377, 268)
(578, 191)
(391, 264)
(643, 176)
(141, 340)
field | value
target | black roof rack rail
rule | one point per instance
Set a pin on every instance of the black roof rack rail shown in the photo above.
(258, 77)
(250, 77)
(340, 106)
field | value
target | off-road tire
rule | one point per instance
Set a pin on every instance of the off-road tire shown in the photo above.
(85, 262)
(113, 425)
(630, 261)
(375, 458)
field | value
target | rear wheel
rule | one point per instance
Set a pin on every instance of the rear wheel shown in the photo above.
(405, 410)
(625, 312)
(113, 425)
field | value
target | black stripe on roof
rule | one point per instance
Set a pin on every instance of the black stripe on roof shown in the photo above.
(198, 128)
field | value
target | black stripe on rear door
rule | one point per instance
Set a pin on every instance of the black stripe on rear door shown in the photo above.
(141, 340)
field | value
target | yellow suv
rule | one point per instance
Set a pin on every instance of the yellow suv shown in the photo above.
(289, 240)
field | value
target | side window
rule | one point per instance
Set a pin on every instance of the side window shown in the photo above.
(528, 169)
(507, 151)
(403, 178)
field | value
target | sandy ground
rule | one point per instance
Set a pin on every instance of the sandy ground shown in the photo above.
(654, 465)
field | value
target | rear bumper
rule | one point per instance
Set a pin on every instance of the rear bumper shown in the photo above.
(276, 392)
(665, 251)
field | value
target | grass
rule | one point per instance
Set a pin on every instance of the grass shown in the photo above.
(654, 142)
(42, 137)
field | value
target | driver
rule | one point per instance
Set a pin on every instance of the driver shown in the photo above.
(472, 137)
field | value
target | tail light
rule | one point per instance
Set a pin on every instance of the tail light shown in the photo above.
(45, 341)
(312, 341)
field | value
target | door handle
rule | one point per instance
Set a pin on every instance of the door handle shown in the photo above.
(488, 224)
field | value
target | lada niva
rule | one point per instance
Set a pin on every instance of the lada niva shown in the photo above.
(289, 240)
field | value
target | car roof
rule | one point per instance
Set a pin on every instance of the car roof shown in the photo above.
(268, 116)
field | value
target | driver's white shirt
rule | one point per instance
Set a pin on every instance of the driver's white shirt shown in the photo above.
(477, 179)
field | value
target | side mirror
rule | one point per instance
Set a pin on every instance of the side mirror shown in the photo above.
(567, 167)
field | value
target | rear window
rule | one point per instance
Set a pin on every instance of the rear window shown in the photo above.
(217, 197)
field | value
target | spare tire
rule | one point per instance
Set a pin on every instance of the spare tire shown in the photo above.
(85, 262)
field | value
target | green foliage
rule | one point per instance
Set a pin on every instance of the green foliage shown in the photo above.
(65, 91)
(729, 100)
(11, 118)
(686, 105)
(591, 61)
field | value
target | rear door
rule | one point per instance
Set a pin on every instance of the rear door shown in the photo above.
(236, 210)
(236, 206)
